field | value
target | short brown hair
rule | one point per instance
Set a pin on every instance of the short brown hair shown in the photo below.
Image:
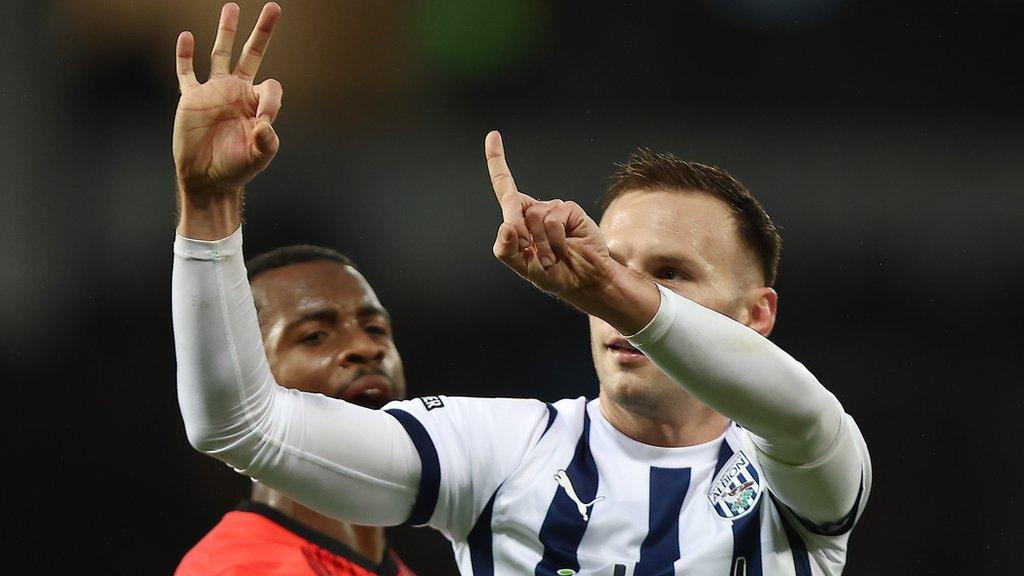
(648, 171)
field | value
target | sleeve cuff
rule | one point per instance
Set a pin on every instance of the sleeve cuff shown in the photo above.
(661, 323)
(430, 468)
(215, 250)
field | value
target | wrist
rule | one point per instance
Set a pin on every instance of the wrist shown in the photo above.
(622, 297)
(208, 214)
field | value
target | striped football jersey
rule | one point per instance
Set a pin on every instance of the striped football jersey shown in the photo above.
(525, 487)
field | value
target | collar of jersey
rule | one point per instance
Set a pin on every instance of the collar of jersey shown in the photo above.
(656, 455)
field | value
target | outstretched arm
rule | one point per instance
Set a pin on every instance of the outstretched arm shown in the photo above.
(811, 449)
(336, 457)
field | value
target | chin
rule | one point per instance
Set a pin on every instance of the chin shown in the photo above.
(630, 389)
(643, 390)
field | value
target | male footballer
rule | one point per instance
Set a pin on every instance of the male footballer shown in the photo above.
(709, 450)
(325, 332)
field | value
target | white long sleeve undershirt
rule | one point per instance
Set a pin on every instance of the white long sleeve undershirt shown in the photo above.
(810, 449)
(360, 464)
(339, 458)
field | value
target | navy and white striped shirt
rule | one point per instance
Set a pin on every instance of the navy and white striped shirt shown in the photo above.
(524, 487)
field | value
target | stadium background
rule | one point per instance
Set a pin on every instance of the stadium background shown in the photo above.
(884, 137)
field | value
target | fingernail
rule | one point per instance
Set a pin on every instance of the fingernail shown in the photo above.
(524, 243)
(545, 261)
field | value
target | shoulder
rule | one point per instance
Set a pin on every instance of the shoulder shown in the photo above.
(241, 543)
(469, 411)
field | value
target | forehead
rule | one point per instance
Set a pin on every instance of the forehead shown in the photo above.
(670, 220)
(297, 288)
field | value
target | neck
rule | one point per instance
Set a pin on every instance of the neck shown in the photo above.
(687, 422)
(368, 541)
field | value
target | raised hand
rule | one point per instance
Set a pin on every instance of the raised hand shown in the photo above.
(223, 133)
(553, 244)
(562, 251)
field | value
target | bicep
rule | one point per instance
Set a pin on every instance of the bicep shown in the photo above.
(341, 459)
(829, 491)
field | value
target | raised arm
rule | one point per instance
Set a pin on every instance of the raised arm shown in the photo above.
(810, 448)
(342, 459)
(223, 128)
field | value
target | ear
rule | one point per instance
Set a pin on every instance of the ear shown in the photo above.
(762, 304)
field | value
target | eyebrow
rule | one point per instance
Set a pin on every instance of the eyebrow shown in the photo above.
(672, 259)
(676, 259)
(331, 315)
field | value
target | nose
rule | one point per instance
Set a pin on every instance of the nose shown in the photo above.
(362, 350)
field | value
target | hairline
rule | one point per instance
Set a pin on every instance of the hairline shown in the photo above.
(347, 266)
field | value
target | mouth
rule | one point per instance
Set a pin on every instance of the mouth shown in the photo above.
(371, 391)
(624, 353)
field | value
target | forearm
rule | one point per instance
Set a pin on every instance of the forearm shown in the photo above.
(743, 375)
(319, 450)
(810, 450)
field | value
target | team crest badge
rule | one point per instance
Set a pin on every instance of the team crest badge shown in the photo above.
(736, 488)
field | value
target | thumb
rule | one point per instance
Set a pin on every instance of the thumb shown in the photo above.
(506, 249)
(265, 144)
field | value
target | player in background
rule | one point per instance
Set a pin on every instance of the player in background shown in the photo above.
(325, 332)
(709, 451)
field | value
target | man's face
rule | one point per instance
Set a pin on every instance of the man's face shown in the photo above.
(325, 331)
(687, 242)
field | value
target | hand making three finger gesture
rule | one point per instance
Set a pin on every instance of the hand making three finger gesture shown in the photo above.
(223, 133)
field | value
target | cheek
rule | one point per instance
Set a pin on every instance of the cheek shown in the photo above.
(302, 370)
(598, 331)
(711, 293)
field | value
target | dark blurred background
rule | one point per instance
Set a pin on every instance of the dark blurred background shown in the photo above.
(884, 137)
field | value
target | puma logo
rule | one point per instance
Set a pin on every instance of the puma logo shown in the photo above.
(563, 480)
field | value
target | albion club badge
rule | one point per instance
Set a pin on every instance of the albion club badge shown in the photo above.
(736, 489)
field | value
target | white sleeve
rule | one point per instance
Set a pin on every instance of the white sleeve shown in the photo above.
(468, 447)
(341, 459)
(812, 453)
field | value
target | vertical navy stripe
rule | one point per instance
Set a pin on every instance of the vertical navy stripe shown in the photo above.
(481, 541)
(724, 453)
(430, 467)
(552, 412)
(660, 548)
(801, 560)
(746, 541)
(563, 527)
